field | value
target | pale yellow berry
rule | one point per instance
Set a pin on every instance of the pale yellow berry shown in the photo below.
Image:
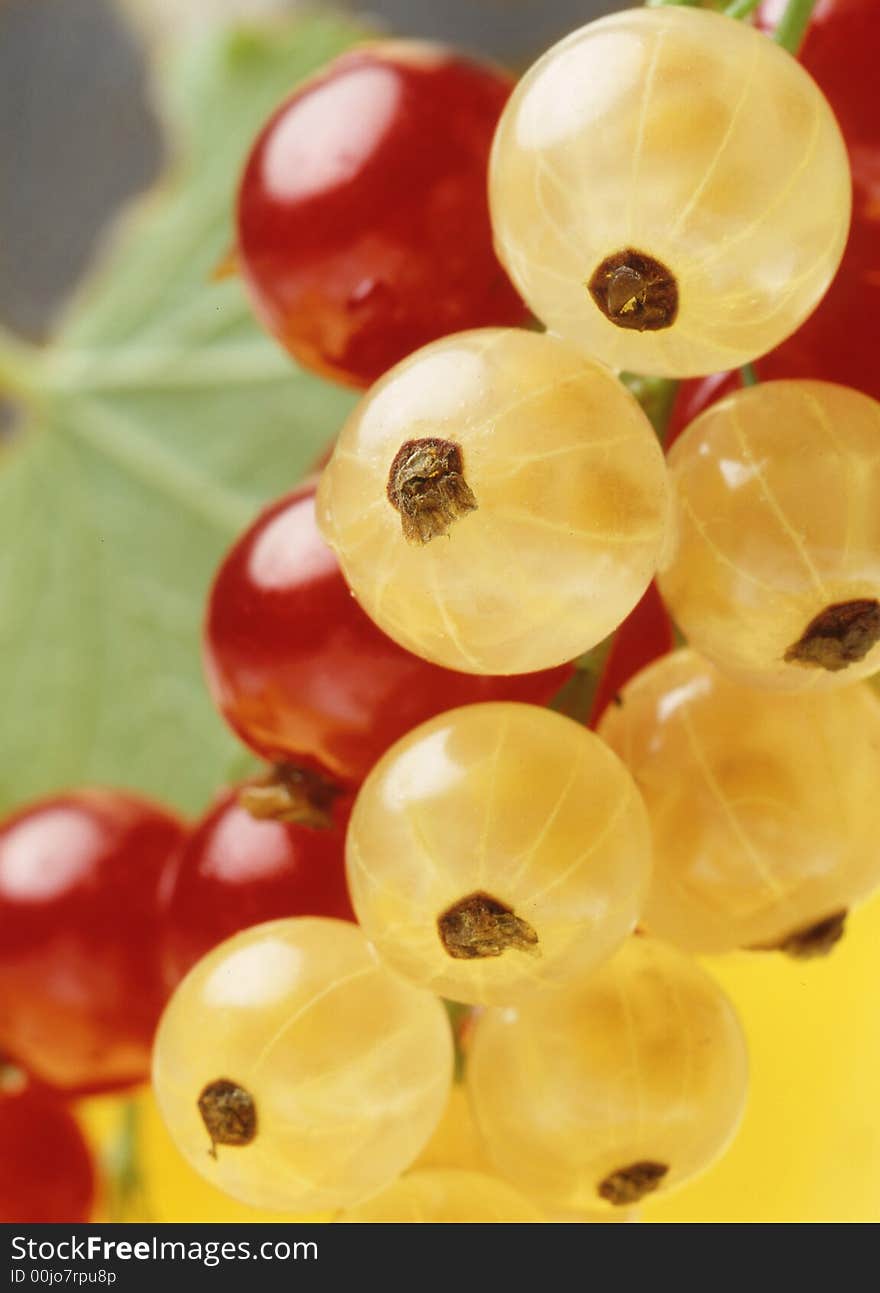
(457, 1144)
(773, 571)
(764, 808)
(630, 1081)
(670, 190)
(496, 850)
(295, 1072)
(497, 501)
(446, 1195)
(456, 1141)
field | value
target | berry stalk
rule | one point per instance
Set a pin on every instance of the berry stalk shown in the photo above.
(576, 697)
(741, 8)
(461, 1019)
(126, 1192)
(792, 26)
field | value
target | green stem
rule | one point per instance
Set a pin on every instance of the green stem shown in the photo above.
(792, 26)
(656, 396)
(459, 1018)
(125, 1186)
(576, 697)
(740, 8)
(748, 375)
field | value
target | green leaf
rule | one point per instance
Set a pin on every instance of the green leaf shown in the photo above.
(159, 421)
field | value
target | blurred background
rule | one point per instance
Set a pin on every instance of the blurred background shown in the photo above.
(79, 136)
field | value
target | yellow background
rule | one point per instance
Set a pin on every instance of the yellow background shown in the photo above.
(808, 1149)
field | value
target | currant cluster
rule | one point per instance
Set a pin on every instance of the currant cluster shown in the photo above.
(435, 818)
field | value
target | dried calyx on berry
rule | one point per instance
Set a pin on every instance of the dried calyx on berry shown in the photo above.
(480, 926)
(635, 291)
(811, 941)
(630, 1184)
(426, 485)
(838, 636)
(229, 1114)
(288, 793)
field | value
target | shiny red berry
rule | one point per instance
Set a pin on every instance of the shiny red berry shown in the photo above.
(363, 222)
(302, 674)
(644, 635)
(841, 51)
(46, 1172)
(236, 870)
(80, 983)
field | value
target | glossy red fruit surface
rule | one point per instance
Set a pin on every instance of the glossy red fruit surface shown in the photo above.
(80, 983)
(841, 339)
(363, 221)
(644, 635)
(46, 1172)
(235, 871)
(299, 670)
(840, 50)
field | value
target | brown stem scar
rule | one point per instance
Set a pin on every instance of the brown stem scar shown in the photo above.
(229, 1114)
(839, 636)
(426, 485)
(811, 941)
(288, 793)
(630, 1184)
(635, 291)
(479, 926)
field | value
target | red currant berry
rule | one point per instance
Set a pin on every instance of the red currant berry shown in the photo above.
(80, 983)
(47, 1171)
(839, 343)
(363, 222)
(236, 870)
(302, 674)
(692, 397)
(841, 50)
(643, 637)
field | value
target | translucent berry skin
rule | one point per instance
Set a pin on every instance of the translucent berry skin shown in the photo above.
(47, 1171)
(763, 807)
(80, 983)
(641, 1064)
(571, 503)
(776, 493)
(839, 341)
(456, 1142)
(637, 133)
(301, 673)
(510, 801)
(449, 1196)
(234, 871)
(363, 223)
(348, 1068)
